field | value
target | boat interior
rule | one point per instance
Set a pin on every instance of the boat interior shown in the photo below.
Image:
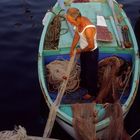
(76, 96)
(106, 49)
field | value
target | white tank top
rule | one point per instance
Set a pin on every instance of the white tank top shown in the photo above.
(83, 42)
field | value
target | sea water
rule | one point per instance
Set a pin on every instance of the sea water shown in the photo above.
(21, 100)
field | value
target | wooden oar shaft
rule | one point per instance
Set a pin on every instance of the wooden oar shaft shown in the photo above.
(50, 121)
(64, 84)
(55, 105)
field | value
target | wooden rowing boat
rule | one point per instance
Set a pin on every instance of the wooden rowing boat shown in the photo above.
(121, 42)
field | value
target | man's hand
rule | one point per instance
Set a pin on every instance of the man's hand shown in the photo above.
(78, 50)
(71, 52)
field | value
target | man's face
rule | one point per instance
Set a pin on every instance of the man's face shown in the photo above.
(71, 20)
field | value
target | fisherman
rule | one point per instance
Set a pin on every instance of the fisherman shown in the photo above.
(85, 34)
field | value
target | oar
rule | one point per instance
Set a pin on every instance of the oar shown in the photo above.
(111, 5)
(55, 105)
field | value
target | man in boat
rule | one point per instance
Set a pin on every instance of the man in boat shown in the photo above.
(85, 34)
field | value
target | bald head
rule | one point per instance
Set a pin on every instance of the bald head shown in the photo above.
(74, 12)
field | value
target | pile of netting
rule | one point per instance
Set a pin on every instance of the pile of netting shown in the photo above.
(113, 78)
(85, 119)
(116, 130)
(56, 73)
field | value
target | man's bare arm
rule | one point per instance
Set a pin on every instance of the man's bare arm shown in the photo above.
(75, 40)
(74, 43)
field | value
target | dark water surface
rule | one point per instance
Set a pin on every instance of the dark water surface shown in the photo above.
(21, 101)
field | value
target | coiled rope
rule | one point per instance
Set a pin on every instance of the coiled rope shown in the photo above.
(56, 72)
(54, 31)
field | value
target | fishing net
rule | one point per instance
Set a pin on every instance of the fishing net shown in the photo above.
(54, 31)
(52, 34)
(84, 119)
(115, 130)
(113, 75)
(56, 73)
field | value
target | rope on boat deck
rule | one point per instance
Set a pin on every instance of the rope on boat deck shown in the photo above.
(56, 72)
(54, 31)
